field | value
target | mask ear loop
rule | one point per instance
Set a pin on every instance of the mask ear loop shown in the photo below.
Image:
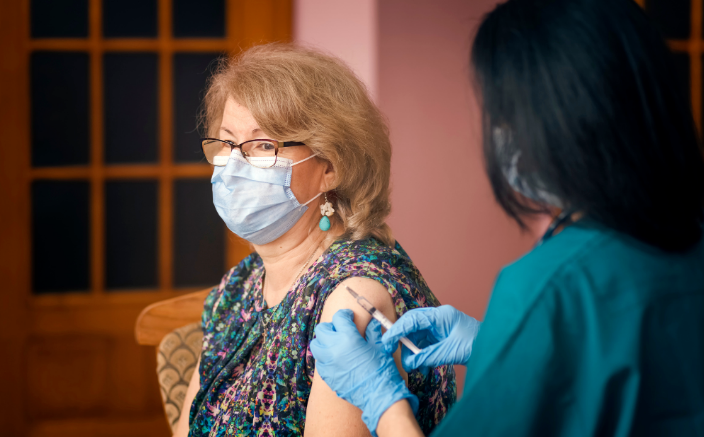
(304, 160)
(319, 194)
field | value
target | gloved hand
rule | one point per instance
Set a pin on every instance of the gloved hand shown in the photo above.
(360, 371)
(444, 334)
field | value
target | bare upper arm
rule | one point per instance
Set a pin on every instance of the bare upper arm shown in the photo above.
(327, 414)
(193, 387)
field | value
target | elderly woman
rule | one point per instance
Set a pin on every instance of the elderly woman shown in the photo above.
(301, 162)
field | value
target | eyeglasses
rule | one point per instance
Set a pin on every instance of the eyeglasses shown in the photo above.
(217, 151)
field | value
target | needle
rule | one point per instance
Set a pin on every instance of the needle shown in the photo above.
(371, 309)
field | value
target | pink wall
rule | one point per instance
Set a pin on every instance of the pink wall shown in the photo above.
(443, 210)
(348, 29)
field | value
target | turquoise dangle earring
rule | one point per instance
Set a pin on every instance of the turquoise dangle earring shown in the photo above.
(326, 210)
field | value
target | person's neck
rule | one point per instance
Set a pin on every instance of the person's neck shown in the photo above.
(284, 258)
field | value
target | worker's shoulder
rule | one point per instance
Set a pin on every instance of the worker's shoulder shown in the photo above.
(590, 261)
(549, 259)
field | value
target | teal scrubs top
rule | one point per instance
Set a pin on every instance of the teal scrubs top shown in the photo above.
(591, 333)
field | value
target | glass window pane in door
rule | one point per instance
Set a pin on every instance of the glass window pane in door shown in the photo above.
(199, 19)
(191, 71)
(59, 18)
(681, 66)
(59, 108)
(131, 234)
(129, 18)
(131, 84)
(60, 236)
(199, 235)
(672, 17)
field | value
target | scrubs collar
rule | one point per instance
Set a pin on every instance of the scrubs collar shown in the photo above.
(565, 218)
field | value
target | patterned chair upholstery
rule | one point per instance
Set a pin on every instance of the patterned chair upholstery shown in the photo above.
(173, 327)
(177, 356)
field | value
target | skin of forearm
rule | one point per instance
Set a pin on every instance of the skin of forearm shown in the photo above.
(399, 421)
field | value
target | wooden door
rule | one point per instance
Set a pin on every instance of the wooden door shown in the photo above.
(680, 22)
(104, 198)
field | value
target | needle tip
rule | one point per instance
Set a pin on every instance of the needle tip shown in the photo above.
(352, 292)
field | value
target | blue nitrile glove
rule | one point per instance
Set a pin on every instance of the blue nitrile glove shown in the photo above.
(360, 371)
(444, 334)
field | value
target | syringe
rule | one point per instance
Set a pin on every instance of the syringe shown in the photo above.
(378, 315)
(386, 323)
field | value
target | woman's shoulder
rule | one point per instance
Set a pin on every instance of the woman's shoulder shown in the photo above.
(589, 262)
(370, 257)
(249, 266)
(350, 253)
(550, 260)
(234, 285)
(389, 265)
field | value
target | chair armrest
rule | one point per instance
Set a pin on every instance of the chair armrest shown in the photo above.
(160, 318)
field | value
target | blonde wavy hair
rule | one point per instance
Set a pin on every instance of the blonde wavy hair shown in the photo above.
(300, 94)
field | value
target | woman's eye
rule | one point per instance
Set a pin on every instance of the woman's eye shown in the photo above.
(264, 146)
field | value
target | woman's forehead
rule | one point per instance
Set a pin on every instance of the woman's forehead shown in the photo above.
(238, 121)
(234, 132)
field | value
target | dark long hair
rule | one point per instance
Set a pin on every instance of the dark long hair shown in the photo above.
(588, 94)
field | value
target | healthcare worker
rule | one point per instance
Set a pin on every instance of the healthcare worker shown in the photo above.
(599, 330)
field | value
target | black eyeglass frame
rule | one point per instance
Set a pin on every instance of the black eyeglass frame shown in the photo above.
(232, 145)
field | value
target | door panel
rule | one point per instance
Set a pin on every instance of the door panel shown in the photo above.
(103, 208)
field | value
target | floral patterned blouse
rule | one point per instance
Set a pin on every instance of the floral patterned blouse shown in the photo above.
(256, 367)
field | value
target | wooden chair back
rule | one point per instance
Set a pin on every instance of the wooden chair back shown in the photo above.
(161, 318)
(173, 325)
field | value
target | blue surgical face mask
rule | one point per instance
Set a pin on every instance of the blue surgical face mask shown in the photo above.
(257, 204)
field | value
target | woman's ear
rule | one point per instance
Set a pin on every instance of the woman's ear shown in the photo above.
(328, 180)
